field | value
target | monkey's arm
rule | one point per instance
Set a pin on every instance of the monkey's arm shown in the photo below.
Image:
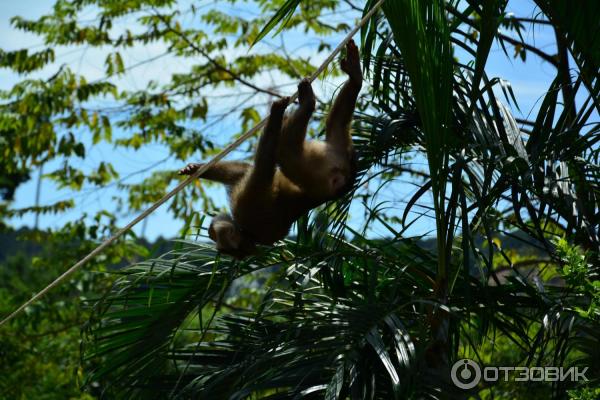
(340, 115)
(264, 161)
(342, 110)
(295, 127)
(227, 172)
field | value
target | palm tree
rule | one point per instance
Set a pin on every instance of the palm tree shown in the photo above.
(340, 315)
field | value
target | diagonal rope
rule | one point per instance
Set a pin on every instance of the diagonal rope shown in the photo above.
(190, 179)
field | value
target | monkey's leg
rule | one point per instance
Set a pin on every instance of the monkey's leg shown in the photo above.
(296, 125)
(227, 172)
(340, 115)
(264, 161)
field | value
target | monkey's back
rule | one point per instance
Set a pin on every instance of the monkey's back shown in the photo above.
(266, 216)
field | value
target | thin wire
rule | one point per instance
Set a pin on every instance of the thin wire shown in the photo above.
(189, 180)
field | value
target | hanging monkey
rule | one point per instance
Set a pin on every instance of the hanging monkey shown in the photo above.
(266, 200)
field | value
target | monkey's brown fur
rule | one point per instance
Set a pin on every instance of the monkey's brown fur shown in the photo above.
(266, 200)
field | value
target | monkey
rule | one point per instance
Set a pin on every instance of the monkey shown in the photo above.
(324, 169)
(290, 175)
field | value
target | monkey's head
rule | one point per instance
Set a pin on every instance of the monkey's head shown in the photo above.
(229, 237)
(341, 180)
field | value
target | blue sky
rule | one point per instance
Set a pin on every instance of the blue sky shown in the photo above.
(529, 81)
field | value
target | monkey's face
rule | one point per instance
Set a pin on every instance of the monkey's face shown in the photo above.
(338, 181)
(228, 237)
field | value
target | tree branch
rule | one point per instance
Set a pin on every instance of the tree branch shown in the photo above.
(565, 76)
(198, 49)
(544, 56)
(532, 20)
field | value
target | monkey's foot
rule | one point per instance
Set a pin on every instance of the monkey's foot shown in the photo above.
(279, 106)
(350, 64)
(306, 96)
(189, 169)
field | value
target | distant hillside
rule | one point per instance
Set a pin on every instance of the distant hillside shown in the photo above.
(11, 245)
(14, 242)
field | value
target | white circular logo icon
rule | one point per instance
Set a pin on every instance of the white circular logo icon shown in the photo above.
(465, 373)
